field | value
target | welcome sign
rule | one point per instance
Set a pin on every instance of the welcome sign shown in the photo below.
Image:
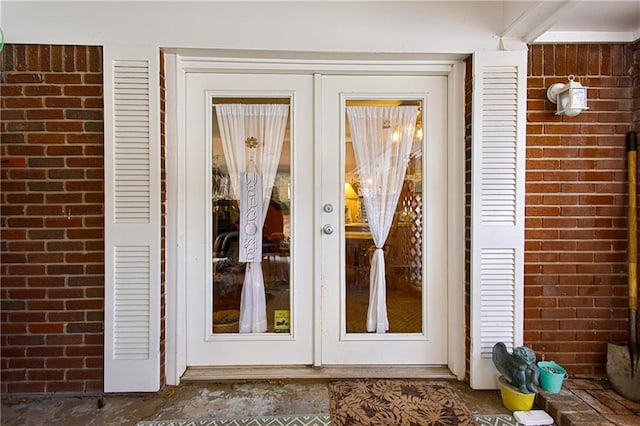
(250, 232)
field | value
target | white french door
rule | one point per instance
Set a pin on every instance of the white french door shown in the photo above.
(415, 250)
(214, 273)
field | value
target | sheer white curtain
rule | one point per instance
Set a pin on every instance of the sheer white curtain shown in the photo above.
(267, 124)
(382, 139)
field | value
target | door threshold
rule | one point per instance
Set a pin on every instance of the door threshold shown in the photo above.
(240, 373)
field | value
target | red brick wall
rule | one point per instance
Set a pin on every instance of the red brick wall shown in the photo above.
(52, 219)
(575, 258)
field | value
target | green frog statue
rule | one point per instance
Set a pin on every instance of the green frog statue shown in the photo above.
(518, 369)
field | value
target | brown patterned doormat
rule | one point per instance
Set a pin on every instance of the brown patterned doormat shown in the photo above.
(397, 402)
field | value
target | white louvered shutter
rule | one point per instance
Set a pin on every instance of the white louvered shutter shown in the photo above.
(132, 219)
(497, 208)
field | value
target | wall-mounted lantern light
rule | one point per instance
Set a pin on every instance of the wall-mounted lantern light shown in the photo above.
(570, 98)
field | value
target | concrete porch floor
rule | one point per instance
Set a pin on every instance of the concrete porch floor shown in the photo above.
(581, 402)
(199, 401)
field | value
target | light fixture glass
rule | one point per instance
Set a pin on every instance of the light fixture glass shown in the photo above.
(349, 192)
(570, 98)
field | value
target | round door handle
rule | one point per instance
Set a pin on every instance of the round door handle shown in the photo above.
(328, 229)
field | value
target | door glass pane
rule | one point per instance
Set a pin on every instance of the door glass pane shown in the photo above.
(228, 272)
(403, 246)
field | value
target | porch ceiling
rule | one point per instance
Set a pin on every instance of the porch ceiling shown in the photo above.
(338, 27)
(572, 21)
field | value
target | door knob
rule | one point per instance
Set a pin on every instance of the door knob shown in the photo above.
(328, 229)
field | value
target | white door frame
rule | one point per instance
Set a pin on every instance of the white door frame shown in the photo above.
(179, 63)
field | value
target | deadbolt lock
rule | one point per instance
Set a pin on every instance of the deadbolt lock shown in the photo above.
(328, 229)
